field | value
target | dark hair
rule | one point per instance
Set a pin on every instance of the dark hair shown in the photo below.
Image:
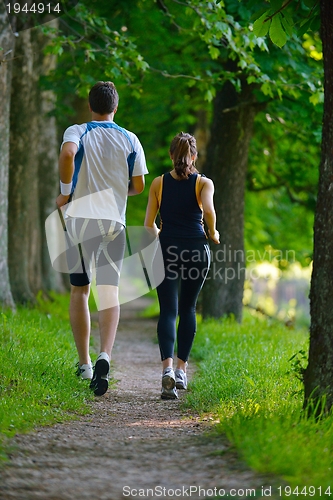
(103, 98)
(183, 147)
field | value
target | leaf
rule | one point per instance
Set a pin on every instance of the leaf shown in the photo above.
(276, 31)
(209, 95)
(317, 98)
(287, 24)
(214, 52)
(251, 79)
(258, 14)
(276, 4)
(305, 26)
(266, 89)
(310, 3)
(315, 25)
(260, 27)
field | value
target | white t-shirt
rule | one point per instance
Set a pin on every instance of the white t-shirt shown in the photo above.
(101, 174)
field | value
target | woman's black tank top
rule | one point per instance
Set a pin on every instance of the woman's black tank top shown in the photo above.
(181, 216)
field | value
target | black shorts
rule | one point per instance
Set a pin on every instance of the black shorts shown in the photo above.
(98, 244)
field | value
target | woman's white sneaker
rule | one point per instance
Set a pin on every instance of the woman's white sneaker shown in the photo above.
(181, 379)
(169, 390)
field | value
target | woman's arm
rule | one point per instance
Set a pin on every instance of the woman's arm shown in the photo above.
(206, 195)
(153, 206)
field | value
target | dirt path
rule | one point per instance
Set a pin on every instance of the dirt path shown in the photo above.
(133, 446)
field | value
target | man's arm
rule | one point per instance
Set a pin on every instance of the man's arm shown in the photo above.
(136, 185)
(66, 168)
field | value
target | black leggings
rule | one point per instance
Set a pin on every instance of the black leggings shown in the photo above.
(186, 263)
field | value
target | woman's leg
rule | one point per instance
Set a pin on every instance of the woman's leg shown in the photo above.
(193, 277)
(167, 293)
(80, 321)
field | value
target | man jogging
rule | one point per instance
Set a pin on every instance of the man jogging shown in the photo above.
(100, 164)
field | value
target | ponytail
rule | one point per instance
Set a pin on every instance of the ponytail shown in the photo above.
(183, 147)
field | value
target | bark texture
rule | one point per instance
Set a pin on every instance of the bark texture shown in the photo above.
(6, 54)
(33, 166)
(226, 165)
(24, 233)
(318, 376)
(48, 176)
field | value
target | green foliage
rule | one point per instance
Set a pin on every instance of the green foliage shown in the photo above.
(248, 379)
(284, 19)
(169, 60)
(282, 178)
(38, 385)
(89, 50)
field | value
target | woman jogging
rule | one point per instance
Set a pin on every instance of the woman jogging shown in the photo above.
(183, 199)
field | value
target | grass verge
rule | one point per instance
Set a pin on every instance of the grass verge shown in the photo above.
(37, 359)
(247, 381)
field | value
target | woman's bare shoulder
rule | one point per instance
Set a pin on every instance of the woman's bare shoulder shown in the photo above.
(205, 181)
(156, 182)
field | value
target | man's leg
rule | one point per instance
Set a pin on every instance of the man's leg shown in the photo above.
(108, 265)
(108, 316)
(80, 321)
(108, 307)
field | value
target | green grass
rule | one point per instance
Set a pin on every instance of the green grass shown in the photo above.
(38, 385)
(152, 310)
(247, 381)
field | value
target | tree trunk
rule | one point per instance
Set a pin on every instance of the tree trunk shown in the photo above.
(6, 54)
(48, 176)
(226, 164)
(24, 220)
(318, 376)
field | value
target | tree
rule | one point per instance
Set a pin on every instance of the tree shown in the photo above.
(226, 163)
(48, 176)
(6, 54)
(24, 223)
(318, 376)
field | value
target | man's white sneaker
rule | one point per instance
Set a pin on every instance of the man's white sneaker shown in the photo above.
(181, 379)
(100, 381)
(85, 371)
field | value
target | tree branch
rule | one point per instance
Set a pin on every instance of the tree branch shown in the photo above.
(264, 188)
(269, 18)
(260, 105)
(166, 11)
(190, 77)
